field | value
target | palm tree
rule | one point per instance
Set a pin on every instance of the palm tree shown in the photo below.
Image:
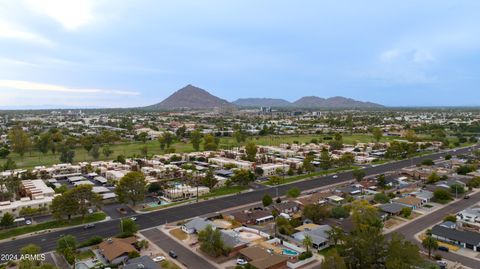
(307, 242)
(429, 243)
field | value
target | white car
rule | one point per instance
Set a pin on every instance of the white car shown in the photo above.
(241, 262)
(335, 176)
(133, 218)
(159, 258)
(28, 222)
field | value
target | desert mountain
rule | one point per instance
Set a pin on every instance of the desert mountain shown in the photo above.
(191, 97)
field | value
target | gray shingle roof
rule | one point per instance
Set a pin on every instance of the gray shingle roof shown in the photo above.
(471, 238)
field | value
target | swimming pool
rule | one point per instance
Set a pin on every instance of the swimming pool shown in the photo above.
(289, 252)
(157, 203)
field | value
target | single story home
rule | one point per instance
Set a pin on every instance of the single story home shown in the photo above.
(196, 224)
(410, 201)
(392, 209)
(465, 239)
(115, 250)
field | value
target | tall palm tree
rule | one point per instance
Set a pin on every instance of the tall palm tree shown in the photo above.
(307, 242)
(429, 243)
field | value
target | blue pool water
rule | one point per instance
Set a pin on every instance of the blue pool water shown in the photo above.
(289, 252)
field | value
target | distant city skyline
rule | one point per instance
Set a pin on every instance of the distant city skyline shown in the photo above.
(105, 53)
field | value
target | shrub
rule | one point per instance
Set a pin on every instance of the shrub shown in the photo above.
(305, 255)
(381, 198)
(340, 212)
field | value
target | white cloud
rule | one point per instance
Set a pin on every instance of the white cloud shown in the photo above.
(71, 14)
(34, 86)
(13, 31)
(390, 55)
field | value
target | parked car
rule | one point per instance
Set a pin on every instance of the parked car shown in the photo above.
(90, 211)
(241, 261)
(172, 254)
(442, 248)
(28, 222)
(466, 196)
(335, 176)
(89, 226)
(133, 218)
(159, 258)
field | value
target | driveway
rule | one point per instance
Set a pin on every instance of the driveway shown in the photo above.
(187, 257)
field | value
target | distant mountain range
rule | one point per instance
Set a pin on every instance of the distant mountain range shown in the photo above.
(191, 97)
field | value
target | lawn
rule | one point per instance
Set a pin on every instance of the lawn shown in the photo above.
(98, 216)
(87, 254)
(166, 264)
(35, 158)
(179, 234)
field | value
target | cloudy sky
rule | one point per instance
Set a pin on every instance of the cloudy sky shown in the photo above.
(116, 53)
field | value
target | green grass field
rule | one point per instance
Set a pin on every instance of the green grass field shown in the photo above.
(35, 158)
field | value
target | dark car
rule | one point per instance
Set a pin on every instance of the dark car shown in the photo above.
(172, 254)
(89, 226)
(466, 197)
(442, 248)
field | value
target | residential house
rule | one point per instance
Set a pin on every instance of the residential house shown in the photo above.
(196, 224)
(260, 258)
(115, 250)
(319, 236)
(288, 207)
(410, 201)
(392, 209)
(464, 239)
(143, 262)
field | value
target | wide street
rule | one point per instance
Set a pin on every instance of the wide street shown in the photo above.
(47, 241)
(409, 230)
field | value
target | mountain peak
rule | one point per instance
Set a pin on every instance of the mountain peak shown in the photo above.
(191, 97)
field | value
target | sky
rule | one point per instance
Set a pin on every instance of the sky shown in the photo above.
(117, 53)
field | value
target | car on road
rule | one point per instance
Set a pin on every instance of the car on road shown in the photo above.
(133, 218)
(466, 196)
(172, 254)
(442, 248)
(28, 222)
(335, 176)
(241, 261)
(89, 226)
(159, 258)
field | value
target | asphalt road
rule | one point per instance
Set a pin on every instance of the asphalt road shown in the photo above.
(184, 254)
(425, 222)
(47, 241)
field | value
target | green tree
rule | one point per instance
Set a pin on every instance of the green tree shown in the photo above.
(402, 253)
(30, 249)
(267, 200)
(316, 213)
(339, 212)
(210, 143)
(95, 152)
(293, 192)
(381, 198)
(211, 242)
(44, 142)
(67, 154)
(242, 177)
(406, 212)
(9, 164)
(307, 164)
(196, 139)
(19, 140)
(251, 151)
(209, 179)
(4, 152)
(358, 174)
(7, 220)
(325, 159)
(307, 242)
(457, 189)
(84, 196)
(128, 227)
(64, 205)
(429, 243)
(441, 195)
(66, 245)
(377, 134)
(131, 188)
(107, 151)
